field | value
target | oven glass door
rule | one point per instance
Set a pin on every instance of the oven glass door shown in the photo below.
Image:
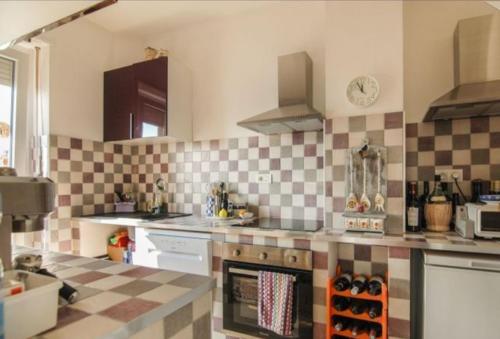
(240, 302)
(244, 293)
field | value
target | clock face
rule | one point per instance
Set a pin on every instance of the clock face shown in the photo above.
(363, 91)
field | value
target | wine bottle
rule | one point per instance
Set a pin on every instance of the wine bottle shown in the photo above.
(421, 203)
(408, 183)
(374, 331)
(356, 328)
(448, 191)
(341, 303)
(358, 306)
(438, 209)
(412, 210)
(455, 202)
(375, 310)
(358, 285)
(340, 324)
(437, 195)
(375, 285)
(343, 282)
(477, 190)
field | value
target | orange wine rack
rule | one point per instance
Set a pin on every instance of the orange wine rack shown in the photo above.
(331, 311)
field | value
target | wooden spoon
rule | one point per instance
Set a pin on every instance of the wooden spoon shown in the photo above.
(379, 198)
(365, 202)
(352, 200)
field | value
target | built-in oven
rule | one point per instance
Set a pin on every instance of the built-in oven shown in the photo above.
(241, 267)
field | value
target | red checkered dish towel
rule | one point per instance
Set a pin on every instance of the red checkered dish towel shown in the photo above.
(275, 302)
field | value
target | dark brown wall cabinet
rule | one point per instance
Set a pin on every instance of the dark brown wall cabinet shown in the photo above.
(137, 101)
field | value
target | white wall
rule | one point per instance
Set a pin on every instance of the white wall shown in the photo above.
(364, 38)
(234, 62)
(428, 49)
(79, 54)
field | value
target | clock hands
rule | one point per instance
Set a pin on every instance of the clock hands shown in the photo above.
(363, 91)
(360, 86)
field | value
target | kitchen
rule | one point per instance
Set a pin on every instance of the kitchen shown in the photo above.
(211, 147)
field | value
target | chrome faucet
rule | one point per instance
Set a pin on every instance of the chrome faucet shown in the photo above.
(159, 190)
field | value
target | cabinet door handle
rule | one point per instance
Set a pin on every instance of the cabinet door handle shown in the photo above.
(485, 265)
(131, 130)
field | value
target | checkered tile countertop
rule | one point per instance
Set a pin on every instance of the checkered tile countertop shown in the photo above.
(117, 300)
(446, 241)
(449, 241)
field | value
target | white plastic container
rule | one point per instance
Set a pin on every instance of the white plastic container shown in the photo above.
(34, 310)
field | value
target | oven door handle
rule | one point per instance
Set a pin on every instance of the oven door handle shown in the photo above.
(176, 254)
(246, 272)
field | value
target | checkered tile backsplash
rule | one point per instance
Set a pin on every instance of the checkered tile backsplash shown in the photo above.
(342, 133)
(363, 259)
(89, 172)
(295, 162)
(472, 145)
(87, 175)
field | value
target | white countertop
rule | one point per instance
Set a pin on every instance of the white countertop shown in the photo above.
(449, 241)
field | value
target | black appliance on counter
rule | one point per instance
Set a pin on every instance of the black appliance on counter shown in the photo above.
(141, 216)
(281, 224)
(241, 267)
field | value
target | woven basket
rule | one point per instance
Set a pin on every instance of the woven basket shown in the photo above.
(438, 216)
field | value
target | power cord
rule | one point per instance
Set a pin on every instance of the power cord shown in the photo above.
(455, 178)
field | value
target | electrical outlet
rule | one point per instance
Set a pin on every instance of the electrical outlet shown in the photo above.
(448, 175)
(264, 178)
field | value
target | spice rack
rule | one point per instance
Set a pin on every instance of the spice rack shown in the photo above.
(332, 312)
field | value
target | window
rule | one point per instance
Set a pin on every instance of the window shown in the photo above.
(7, 67)
(149, 130)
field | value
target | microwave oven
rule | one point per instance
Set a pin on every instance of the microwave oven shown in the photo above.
(486, 219)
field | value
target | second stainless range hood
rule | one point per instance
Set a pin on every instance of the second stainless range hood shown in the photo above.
(477, 72)
(295, 111)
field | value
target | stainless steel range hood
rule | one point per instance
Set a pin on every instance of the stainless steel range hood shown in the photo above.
(295, 111)
(477, 72)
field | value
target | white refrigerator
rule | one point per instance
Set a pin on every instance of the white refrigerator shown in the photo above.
(461, 296)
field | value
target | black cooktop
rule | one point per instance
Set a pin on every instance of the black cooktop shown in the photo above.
(139, 215)
(284, 224)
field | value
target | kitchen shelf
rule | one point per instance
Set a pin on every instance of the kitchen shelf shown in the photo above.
(332, 312)
(371, 215)
(363, 316)
(363, 296)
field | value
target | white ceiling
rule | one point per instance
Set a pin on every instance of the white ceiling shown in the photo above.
(144, 18)
(495, 4)
(21, 17)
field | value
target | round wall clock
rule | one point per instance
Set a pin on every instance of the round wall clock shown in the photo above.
(363, 91)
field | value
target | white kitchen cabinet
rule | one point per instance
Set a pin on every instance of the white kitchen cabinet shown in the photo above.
(461, 296)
